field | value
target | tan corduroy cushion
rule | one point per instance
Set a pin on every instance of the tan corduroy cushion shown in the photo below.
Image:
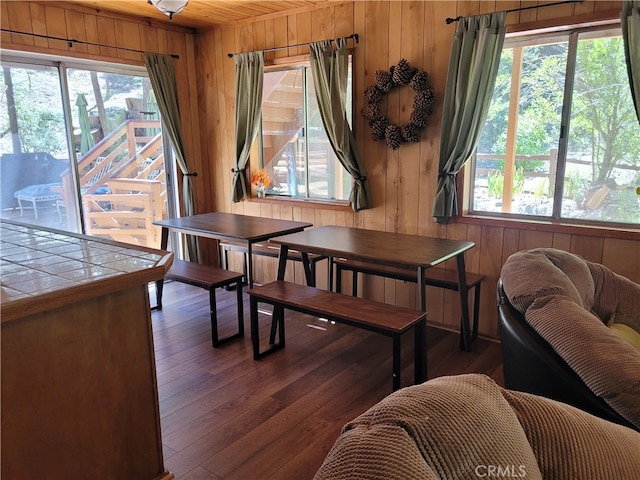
(459, 427)
(608, 365)
(570, 444)
(568, 301)
(615, 294)
(540, 272)
(460, 424)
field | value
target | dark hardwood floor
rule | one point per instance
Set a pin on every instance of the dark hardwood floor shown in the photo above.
(226, 416)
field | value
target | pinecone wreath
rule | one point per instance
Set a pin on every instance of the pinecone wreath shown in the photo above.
(399, 75)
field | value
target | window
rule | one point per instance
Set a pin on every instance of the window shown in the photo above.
(82, 148)
(561, 139)
(294, 147)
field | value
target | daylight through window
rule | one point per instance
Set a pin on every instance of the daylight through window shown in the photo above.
(561, 138)
(295, 150)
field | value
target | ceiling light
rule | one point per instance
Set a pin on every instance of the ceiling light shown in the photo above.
(169, 7)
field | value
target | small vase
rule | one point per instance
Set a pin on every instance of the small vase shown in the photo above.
(260, 191)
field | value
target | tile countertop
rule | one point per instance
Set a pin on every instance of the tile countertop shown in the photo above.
(42, 269)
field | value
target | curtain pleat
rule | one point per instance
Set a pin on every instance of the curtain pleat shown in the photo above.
(473, 66)
(330, 71)
(249, 77)
(630, 23)
(163, 81)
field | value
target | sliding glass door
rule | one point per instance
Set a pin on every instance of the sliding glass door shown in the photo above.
(85, 151)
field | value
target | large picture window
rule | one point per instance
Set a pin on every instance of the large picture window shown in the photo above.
(295, 150)
(561, 139)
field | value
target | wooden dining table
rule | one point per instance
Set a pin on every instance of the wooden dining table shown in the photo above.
(384, 248)
(230, 226)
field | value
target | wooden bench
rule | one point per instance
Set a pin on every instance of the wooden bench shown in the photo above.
(209, 278)
(435, 277)
(266, 250)
(378, 317)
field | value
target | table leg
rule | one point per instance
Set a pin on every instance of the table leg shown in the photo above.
(422, 289)
(465, 339)
(278, 312)
(330, 276)
(311, 281)
(250, 264)
(164, 242)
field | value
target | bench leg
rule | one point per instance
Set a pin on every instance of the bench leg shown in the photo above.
(476, 311)
(276, 318)
(255, 330)
(215, 340)
(240, 308)
(224, 263)
(465, 334)
(338, 278)
(214, 317)
(159, 288)
(476, 315)
(255, 336)
(397, 363)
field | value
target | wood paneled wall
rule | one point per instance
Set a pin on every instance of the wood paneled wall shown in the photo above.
(402, 182)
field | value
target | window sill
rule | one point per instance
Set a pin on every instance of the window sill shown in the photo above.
(339, 205)
(554, 226)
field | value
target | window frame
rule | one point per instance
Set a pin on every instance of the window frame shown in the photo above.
(256, 157)
(527, 35)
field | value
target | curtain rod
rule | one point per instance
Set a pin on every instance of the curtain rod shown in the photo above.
(355, 36)
(73, 42)
(451, 20)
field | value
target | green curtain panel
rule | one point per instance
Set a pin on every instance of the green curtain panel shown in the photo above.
(330, 70)
(163, 81)
(630, 22)
(249, 75)
(473, 66)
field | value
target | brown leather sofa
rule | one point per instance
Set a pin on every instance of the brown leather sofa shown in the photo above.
(553, 309)
(467, 426)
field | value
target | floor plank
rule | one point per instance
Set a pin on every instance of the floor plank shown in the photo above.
(226, 416)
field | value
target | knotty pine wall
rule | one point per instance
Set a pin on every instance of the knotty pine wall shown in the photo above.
(402, 182)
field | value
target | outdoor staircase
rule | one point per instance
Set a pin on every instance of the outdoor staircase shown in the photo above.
(122, 184)
(282, 115)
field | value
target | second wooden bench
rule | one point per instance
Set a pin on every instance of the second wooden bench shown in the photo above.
(265, 250)
(378, 317)
(434, 277)
(209, 278)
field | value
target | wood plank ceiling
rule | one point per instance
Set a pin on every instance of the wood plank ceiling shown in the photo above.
(205, 14)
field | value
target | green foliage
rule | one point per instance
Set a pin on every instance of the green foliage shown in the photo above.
(574, 183)
(39, 129)
(115, 117)
(495, 183)
(628, 206)
(541, 189)
(518, 181)
(603, 125)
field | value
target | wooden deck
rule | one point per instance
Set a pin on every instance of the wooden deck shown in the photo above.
(227, 416)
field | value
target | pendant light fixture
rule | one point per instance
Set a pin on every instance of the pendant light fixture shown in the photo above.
(169, 7)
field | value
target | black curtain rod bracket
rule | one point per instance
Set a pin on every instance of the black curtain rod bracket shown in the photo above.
(71, 42)
(451, 20)
(355, 36)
